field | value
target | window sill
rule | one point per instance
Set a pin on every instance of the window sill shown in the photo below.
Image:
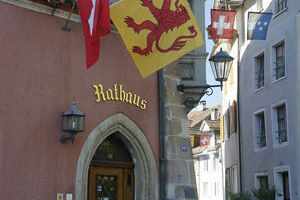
(259, 89)
(279, 13)
(277, 146)
(275, 81)
(260, 149)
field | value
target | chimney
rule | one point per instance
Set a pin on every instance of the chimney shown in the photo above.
(202, 105)
(214, 114)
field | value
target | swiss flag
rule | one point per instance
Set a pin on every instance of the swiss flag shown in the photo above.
(222, 22)
(204, 140)
(95, 20)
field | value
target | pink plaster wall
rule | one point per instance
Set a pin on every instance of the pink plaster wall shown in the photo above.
(41, 69)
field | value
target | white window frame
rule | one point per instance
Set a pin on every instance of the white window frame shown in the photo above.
(279, 189)
(225, 129)
(276, 143)
(256, 180)
(274, 45)
(262, 53)
(205, 193)
(215, 162)
(216, 189)
(257, 112)
(205, 161)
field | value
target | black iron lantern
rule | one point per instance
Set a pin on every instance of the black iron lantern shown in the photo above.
(221, 64)
(73, 122)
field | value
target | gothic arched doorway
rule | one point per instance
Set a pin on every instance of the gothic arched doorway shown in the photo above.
(145, 171)
(111, 175)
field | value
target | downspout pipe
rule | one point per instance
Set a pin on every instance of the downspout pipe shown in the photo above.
(161, 136)
(238, 113)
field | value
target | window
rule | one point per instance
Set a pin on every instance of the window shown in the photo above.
(282, 183)
(234, 179)
(279, 69)
(216, 162)
(262, 181)
(186, 70)
(216, 189)
(259, 128)
(227, 183)
(281, 120)
(205, 164)
(281, 5)
(280, 124)
(205, 189)
(259, 72)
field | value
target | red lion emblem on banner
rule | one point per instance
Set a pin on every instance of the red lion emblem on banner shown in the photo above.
(166, 20)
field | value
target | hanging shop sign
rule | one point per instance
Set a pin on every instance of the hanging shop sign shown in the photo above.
(118, 93)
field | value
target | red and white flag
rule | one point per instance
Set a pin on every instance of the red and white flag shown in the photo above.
(222, 22)
(204, 140)
(95, 20)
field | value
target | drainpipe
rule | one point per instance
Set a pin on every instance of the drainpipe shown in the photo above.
(161, 137)
(238, 113)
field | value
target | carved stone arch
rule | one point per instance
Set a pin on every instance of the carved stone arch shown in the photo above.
(146, 176)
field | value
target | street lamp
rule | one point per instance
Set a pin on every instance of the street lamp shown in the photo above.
(73, 121)
(220, 64)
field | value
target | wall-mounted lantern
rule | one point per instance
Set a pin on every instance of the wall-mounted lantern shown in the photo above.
(220, 64)
(73, 122)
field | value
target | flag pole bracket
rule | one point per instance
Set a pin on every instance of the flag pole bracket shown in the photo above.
(68, 27)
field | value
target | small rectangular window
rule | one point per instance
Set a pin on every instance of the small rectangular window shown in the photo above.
(279, 69)
(260, 134)
(263, 182)
(234, 179)
(281, 5)
(281, 124)
(205, 164)
(259, 72)
(227, 183)
(205, 188)
(216, 163)
(216, 189)
(187, 70)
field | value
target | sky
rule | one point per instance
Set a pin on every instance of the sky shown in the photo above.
(215, 98)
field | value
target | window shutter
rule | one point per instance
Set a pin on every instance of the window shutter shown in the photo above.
(234, 116)
(228, 122)
(222, 128)
(192, 140)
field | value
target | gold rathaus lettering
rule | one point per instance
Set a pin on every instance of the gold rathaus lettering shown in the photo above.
(118, 93)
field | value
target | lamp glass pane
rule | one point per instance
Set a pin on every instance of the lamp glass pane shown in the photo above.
(213, 68)
(228, 67)
(65, 123)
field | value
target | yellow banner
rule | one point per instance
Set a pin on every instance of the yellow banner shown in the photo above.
(156, 32)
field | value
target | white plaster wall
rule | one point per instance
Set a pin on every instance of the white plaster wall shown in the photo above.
(211, 176)
(282, 26)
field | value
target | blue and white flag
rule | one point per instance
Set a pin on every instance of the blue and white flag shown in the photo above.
(258, 25)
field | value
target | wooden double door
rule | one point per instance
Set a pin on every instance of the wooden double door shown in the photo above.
(111, 181)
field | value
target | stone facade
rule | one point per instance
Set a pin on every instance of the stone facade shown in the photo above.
(180, 176)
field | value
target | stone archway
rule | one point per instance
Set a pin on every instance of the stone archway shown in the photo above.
(146, 175)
